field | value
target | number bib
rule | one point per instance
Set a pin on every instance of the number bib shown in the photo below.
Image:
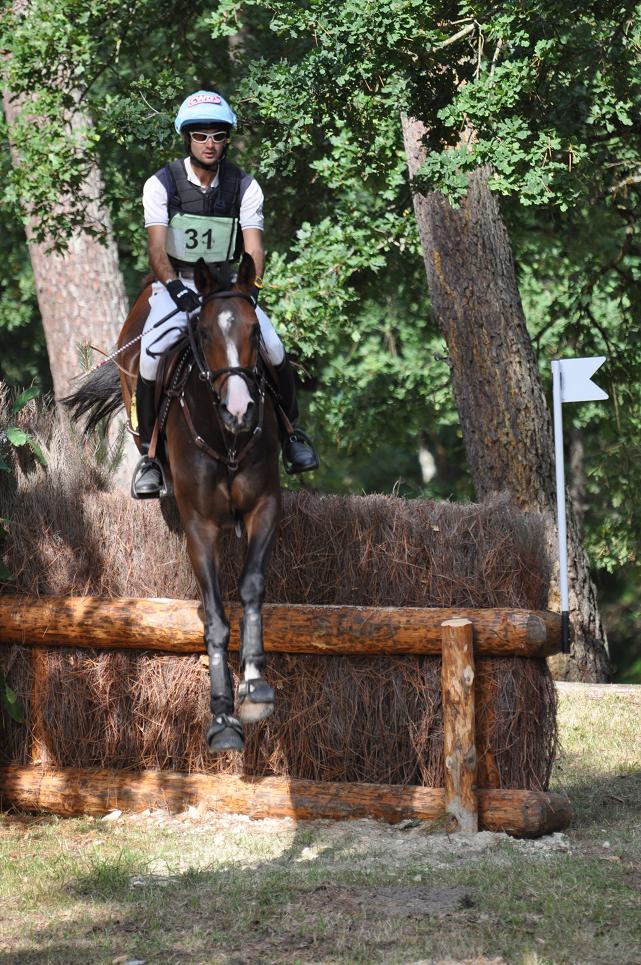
(194, 236)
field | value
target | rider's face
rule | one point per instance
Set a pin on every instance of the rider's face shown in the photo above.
(209, 152)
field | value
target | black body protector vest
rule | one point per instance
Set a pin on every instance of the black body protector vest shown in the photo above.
(203, 224)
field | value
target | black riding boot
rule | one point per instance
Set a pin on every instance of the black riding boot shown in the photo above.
(148, 480)
(299, 454)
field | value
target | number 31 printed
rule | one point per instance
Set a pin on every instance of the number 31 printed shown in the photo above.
(192, 239)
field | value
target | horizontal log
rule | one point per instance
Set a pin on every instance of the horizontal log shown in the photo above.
(174, 626)
(71, 792)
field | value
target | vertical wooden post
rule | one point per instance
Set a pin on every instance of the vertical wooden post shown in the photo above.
(38, 692)
(459, 738)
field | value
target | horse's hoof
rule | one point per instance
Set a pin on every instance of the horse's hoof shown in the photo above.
(225, 734)
(252, 713)
(255, 700)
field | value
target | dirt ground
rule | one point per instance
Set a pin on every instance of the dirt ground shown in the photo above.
(204, 889)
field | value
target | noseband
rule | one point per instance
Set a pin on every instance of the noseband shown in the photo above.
(254, 378)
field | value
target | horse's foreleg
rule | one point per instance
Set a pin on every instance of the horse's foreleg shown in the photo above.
(255, 696)
(226, 731)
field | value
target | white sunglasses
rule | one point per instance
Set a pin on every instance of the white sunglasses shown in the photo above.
(201, 137)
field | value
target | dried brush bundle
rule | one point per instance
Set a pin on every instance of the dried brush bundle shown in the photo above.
(337, 718)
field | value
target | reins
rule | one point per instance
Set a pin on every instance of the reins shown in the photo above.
(112, 357)
(254, 378)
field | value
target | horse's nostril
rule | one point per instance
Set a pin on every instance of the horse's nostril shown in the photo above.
(238, 419)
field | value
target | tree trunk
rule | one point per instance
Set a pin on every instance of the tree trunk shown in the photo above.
(502, 409)
(81, 294)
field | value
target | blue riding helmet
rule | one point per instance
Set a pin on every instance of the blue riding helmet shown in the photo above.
(204, 107)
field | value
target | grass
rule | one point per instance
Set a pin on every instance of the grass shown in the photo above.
(180, 889)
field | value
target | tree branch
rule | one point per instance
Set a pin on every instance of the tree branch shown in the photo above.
(459, 36)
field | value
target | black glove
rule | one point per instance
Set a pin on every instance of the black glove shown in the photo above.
(185, 298)
(254, 292)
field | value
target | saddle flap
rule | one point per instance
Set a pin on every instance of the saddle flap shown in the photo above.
(167, 366)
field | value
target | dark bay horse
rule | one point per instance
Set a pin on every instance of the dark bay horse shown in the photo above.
(221, 443)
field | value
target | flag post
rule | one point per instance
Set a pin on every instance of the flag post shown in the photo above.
(571, 382)
(560, 505)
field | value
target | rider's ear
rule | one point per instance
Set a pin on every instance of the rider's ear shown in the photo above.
(202, 277)
(246, 272)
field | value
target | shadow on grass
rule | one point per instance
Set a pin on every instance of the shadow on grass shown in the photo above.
(603, 799)
(301, 905)
(326, 897)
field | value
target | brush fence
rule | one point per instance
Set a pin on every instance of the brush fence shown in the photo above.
(174, 626)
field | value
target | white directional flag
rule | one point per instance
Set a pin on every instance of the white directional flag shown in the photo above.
(576, 380)
(571, 382)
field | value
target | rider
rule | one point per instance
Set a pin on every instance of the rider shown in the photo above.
(192, 209)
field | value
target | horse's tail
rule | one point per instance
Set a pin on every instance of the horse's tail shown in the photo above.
(97, 397)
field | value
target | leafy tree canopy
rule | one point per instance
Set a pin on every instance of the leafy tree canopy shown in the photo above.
(546, 93)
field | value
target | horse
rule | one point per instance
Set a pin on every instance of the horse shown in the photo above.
(221, 445)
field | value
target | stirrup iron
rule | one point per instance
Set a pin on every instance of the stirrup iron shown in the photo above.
(141, 465)
(298, 435)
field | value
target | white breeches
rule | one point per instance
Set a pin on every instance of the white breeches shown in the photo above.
(158, 339)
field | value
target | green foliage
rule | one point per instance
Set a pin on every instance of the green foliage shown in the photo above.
(14, 436)
(11, 435)
(549, 89)
(9, 700)
(552, 93)
(23, 356)
(18, 437)
(76, 72)
(579, 282)
(551, 101)
(621, 610)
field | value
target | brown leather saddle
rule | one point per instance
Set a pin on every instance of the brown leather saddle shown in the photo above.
(173, 371)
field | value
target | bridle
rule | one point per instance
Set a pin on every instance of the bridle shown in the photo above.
(253, 377)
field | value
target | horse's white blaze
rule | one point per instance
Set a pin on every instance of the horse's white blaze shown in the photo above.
(238, 397)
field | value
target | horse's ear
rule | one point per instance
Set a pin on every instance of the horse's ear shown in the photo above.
(246, 272)
(202, 277)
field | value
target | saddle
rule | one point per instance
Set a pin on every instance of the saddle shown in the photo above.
(171, 377)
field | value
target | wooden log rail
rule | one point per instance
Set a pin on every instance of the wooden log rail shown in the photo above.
(73, 791)
(174, 626)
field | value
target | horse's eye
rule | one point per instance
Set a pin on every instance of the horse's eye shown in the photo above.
(204, 334)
